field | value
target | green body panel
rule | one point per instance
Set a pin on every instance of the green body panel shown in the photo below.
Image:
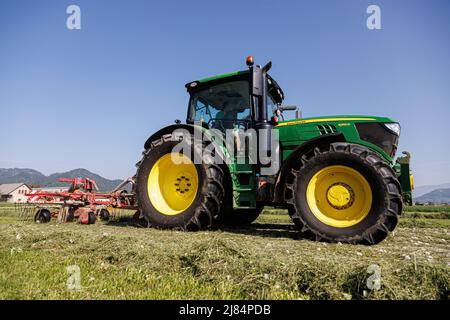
(293, 133)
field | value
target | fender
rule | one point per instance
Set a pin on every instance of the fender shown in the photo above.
(295, 155)
(189, 127)
(166, 130)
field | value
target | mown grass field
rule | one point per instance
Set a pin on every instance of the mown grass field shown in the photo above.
(268, 260)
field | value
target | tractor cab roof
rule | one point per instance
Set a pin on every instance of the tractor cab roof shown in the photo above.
(273, 87)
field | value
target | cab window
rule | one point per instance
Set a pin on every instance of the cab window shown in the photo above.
(222, 106)
(271, 106)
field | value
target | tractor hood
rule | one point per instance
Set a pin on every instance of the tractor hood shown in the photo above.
(378, 133)
(340, 119)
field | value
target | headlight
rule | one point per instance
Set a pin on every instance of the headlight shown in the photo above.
(383, 135)
(394, 127)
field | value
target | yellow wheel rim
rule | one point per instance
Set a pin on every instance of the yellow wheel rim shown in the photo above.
(339, 196)
(172, 184)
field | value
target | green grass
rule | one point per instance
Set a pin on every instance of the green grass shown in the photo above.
(6, 204)
(427, 208)
(267, 260)
(406, 221)
(406, 209)
(426, 212)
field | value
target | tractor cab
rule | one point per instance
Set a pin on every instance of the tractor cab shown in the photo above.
(231, 101)
(221, 104)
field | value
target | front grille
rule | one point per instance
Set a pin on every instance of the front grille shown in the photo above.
(326, 128)
(379, 135)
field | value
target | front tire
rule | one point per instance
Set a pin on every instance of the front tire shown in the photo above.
(184, 196)
(344, 193)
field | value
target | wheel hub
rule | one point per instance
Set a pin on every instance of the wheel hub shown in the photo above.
(183, 184)
(340, 196)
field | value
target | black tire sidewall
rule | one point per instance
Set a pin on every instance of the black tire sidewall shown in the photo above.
(152, 215)
(104, 215)
(43, 216)
(378, 188)
(91, 218)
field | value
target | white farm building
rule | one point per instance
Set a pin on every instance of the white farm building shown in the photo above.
(14, 192)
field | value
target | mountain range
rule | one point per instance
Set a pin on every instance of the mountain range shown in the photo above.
(420, 191)
(34, 178)
(436, 196)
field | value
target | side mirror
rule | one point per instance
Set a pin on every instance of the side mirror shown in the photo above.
(288, 107)
(281, 108)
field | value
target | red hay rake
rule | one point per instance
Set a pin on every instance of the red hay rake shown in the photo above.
(82, 201)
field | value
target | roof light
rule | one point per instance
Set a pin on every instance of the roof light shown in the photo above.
(249, 61)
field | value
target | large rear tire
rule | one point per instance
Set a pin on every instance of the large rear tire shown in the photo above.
(183, 196)
(343, 193)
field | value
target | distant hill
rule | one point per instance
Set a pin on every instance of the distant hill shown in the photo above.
(35, 178)
(435, 196)
(420, 191)
(14, 175)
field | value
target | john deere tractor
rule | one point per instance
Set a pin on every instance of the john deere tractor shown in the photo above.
(335, 175)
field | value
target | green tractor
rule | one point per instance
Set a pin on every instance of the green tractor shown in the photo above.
(336, 175)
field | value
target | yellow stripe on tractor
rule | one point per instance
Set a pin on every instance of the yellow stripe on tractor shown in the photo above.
(289, 123)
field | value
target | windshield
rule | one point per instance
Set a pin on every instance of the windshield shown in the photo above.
(222, 106)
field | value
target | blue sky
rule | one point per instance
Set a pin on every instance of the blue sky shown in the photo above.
(91, 97)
